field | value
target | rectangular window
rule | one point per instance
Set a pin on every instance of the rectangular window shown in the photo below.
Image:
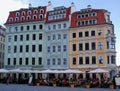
(8, 61)
(15, 49)
(9, 38)
(20, 61)
(93, 46)
(74, 35)
(54, 48)
(59, 36)
(59, 61)
(49, 37)
(92, 33)
(93, 60)
(33, 61)
(34, 27)
(48, 49)
(65, 61)
(48, 61)
(54, 26)
(87, 60)
(16, 29)
(53, 61)
(26, 61)
(108, 61)
(99, 32)
(21, 37)
(9, 49)
(40, 61)
(59, 26)
(80, 60)
(28, 27)
(64, 36)
(86, 46)
(64, 25)
(100, 45)
(49, 28)
(86, 34)
(15, 38)
(74, 61)
(40, 26)
(59, 48)
(100, 60)
(27, 37)
(40, 36)
(54, 37)
(33, 48)
(27, 48)
(14, 61)
(21, 48)
(80, 47)
(80, 34)
(40, 48)
(64, 48)
(34, 37)
(74, 47)
(113, 59)
(21, 28)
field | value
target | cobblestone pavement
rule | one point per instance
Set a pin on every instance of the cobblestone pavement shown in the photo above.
(22, 87)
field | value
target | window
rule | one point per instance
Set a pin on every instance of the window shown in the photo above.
(108, 31)
(27, 48)
(49, 37)
(100, 59)
(40, 26)
(80, 34)
(35, 11)
(21, 28)
(8, 61)
(86, 46)
(65, 61)
(34, 27)
(15, 49)
(40, 36)
(59, 48)
(74, 47)
(40, 61)
(53, 61)
(80, 47)
(74, 61)
(92, 33)
(9, 49)
(41, 11)
(112, 44)
(29, 12)
(64, 48)
(59, 61)
(26, 61)
(49, 28)
(59, 36)
(48, 49)
(28, 27)
(64, 36)
(34, 37)
(14, 61)
(54, 26)
(86, 34)
(93, 60)
(34, 17)
(33, 48)
(99, 32)
(22, 18)
(108, 60)
(23, 12)
(87, 60)
(15, 38)
(113, 58)
(80, 60)
(21, 37)
(28, 17)
(27, 37)
(54, 48)
(93, 46)
(20, 61)
(64, 25)
(48, 61)
(94, 21)
(59, 26)
(9, 38)
(40, 48)
(100, 45)
(33, 61)
(21, 48)
(54, 37)
(74, 35)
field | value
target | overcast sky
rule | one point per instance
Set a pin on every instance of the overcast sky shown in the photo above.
(112, 6)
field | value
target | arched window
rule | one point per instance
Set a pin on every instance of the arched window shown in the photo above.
(29, 12)
(23, 12)
(10, 19)
(22, 18)
(28, 17)
(35, 11)
(41, 16)
(16, 19)
(41, 11)
(17, 13)
(34, 17)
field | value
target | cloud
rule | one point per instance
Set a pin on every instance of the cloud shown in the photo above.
(10, 5)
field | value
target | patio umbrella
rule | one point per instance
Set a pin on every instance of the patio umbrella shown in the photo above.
(16, 71)
(72, 71)
(98, 71)
(4, 71)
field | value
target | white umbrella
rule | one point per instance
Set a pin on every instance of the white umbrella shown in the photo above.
(27, 71)
(46, 71)
(72, 71)
(98, 71)
(4, 71)
(16, 71)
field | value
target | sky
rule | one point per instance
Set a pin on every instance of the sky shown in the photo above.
(112, 6)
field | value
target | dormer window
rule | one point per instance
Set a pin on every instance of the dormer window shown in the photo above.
(23, 12)
(16, 18)
(34, 17)
(41, 11)
(17, 13)
(11, 19)
(22, 18)
(28, 17)
(35, 11)
(29, 12)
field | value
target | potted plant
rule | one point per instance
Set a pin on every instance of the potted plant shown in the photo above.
(54, 83)
(87, 84)
(111, 85)
(71, 83)
(37, 82)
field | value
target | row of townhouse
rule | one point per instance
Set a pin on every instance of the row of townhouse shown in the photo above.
(60, 38)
